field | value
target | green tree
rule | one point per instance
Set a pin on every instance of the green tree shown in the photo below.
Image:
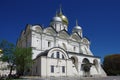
(23, 60)
(19, 57)
(111, 64)
(7, 51)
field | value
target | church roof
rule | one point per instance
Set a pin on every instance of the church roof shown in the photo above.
(45, 53)
(81, 54)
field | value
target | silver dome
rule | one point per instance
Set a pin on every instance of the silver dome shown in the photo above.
(77, 27)
(57, 19)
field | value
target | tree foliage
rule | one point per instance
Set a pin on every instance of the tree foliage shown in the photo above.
(23, 60)
(19, 57)
(7, 50)
(111, 64)
(7, 53)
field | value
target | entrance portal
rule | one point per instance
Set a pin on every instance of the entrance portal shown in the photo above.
(86, 65)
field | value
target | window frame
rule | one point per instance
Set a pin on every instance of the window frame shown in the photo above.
(58, 55)
(52, 68)
(63, 69)
(49, 43)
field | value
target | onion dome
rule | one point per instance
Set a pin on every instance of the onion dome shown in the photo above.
(63, 17)
(77, 28)
(56, 19)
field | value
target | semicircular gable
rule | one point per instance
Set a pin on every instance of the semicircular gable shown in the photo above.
(37, 28)
(63, 34)
(75, 37)
(85, 40)
(49, 30)
(55, 50)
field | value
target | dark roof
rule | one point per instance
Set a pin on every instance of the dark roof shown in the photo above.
(46, 52)
(81, 54)
(87, 38)
(78, 35)
(65, 31)
(53, 28)
(43, 53)
(74, 53)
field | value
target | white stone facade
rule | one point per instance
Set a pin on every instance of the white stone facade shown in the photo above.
(58, 53)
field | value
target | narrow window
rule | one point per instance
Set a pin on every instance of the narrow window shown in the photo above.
(49, 43)
(74, 48)
(58, 55)
(52, 69)
(63, 56)
(63, 69)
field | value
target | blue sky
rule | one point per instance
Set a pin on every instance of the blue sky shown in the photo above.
(99, 19)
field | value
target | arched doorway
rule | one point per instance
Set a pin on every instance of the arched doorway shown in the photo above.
(86, 65)
(75, 62)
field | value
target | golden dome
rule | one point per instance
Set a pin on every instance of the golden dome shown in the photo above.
(63, 17)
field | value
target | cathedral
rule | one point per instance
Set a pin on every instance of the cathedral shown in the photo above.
(59, 53)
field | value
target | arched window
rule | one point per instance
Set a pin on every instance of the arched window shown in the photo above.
(58, 55)
(86, 61)
(74, 48)
(49, 43)
(73, 60)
